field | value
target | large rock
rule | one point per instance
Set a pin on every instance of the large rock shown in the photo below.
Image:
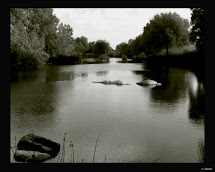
(31, 156)
(32, 142)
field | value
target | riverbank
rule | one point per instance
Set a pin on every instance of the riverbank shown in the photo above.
(193, 61)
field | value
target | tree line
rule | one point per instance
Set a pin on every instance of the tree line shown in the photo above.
(164, 32)
(37, 36)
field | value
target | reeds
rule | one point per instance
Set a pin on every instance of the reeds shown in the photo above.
(95, 149)
(73, 154)
(63, 150)
(105, 159)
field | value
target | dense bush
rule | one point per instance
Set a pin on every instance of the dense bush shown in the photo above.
(124, 58)
(139, 57)
(103, 58)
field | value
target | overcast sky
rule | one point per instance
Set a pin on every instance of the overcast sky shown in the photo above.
(115, 25)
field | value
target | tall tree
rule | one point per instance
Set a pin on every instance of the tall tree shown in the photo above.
(31, 34)
(197, 34)
(65, 41)
(136, 46)
(164, 31)
(81, 45)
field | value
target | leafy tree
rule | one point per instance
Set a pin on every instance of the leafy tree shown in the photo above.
(81, 45)
(64, 40)
(165, 31)
(112, 53)
(31, 34)
(26, 46)
(101, 47)
(46, 24)
(122, 49)
(136, 46)
(198, 27)
(91, 47)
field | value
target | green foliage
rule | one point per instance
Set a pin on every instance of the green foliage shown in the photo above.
(136, 46)
(101, 47)
(112, 53)
(180, 50)
(122, 49)
(81, 45)
(36, 35)
(198, 27)
(103, 58)
(64, 40)
(124, 58)
(165, 31)
(133, 47)
(139, 57)
(91, 47)
(30, 30)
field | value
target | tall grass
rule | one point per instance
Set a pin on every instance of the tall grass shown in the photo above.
(105, 159)
(95, 149)
(179, 50)
(73, 154)
(63, 150)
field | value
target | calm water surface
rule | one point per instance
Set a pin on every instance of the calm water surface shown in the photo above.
(134, 123)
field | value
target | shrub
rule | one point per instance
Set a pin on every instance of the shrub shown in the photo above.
(103, 58)
(139, 57)
(124, 58)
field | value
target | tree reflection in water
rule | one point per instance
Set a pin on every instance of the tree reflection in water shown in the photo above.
(196, 106)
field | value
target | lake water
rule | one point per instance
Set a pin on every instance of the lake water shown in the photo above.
(134, 123)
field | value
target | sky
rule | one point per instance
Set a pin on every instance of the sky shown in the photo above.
(115, 25)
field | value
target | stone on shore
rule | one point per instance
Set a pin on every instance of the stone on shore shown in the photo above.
(43, 149)
(31, 156)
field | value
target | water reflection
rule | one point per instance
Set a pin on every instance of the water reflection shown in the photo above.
(196, 105)
(173, 86)
(124, 115)
(56, 73)
(29, 76)
(49, 73)
(81, 74)
(146, 73)
(101, 73)
(176, 83)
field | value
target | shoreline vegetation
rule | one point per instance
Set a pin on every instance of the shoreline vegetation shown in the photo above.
(38, 37)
